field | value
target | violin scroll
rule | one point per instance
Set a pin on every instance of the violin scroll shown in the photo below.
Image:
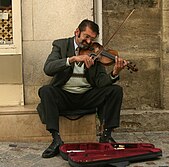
(131, 67)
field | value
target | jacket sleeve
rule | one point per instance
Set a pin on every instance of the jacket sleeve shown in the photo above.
(56, 61)
(102, 78)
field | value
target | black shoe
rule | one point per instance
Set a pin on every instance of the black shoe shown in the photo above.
(52, 150)
(106, 139)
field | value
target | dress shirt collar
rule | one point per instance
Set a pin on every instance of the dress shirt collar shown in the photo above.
(75, 44)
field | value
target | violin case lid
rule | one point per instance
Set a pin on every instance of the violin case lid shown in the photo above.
(107, 154)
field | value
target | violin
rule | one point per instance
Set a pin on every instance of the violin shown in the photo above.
(106, 57)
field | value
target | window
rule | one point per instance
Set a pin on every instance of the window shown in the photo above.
(6, 35)
(10, 27)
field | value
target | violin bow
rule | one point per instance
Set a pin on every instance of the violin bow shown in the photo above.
(119, 28)
(115, 33)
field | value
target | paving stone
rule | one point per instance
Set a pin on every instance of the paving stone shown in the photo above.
(29, 154)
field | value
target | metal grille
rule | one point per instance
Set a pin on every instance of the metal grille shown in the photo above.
(6, 35)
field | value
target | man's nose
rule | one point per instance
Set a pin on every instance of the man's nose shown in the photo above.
(88, 40)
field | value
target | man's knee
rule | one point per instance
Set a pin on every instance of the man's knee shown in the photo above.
(119, 88)
(116, 90)
(45, 90)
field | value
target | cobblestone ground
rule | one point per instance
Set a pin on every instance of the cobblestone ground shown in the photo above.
(29, 154)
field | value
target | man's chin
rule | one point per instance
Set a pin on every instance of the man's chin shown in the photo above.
(84, 46)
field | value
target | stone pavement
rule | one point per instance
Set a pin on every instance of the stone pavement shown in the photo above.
(13, 154)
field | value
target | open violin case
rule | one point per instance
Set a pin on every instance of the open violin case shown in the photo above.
(107, 154)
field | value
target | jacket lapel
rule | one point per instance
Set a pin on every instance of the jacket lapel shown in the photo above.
(70, 47)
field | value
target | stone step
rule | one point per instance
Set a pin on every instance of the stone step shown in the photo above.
(144, 120)
(22, 123)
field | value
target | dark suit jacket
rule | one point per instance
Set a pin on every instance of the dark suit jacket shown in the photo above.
(55, 66)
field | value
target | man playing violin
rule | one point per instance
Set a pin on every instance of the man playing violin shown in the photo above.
(75, 86)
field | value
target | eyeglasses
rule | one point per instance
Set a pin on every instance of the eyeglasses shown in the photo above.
(86, 36)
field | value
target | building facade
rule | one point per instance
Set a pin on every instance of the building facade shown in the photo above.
(27, 30)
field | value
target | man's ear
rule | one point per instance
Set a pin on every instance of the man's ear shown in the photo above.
(77, 32)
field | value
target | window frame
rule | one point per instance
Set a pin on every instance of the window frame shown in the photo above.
(15, 47)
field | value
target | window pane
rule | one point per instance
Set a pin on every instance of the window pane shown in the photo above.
(6, 35)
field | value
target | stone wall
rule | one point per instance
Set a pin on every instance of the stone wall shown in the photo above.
(143, 40)
(43, 22)
(139, 41)
(165, 55)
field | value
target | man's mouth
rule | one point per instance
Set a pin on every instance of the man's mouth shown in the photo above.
(85, 45)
